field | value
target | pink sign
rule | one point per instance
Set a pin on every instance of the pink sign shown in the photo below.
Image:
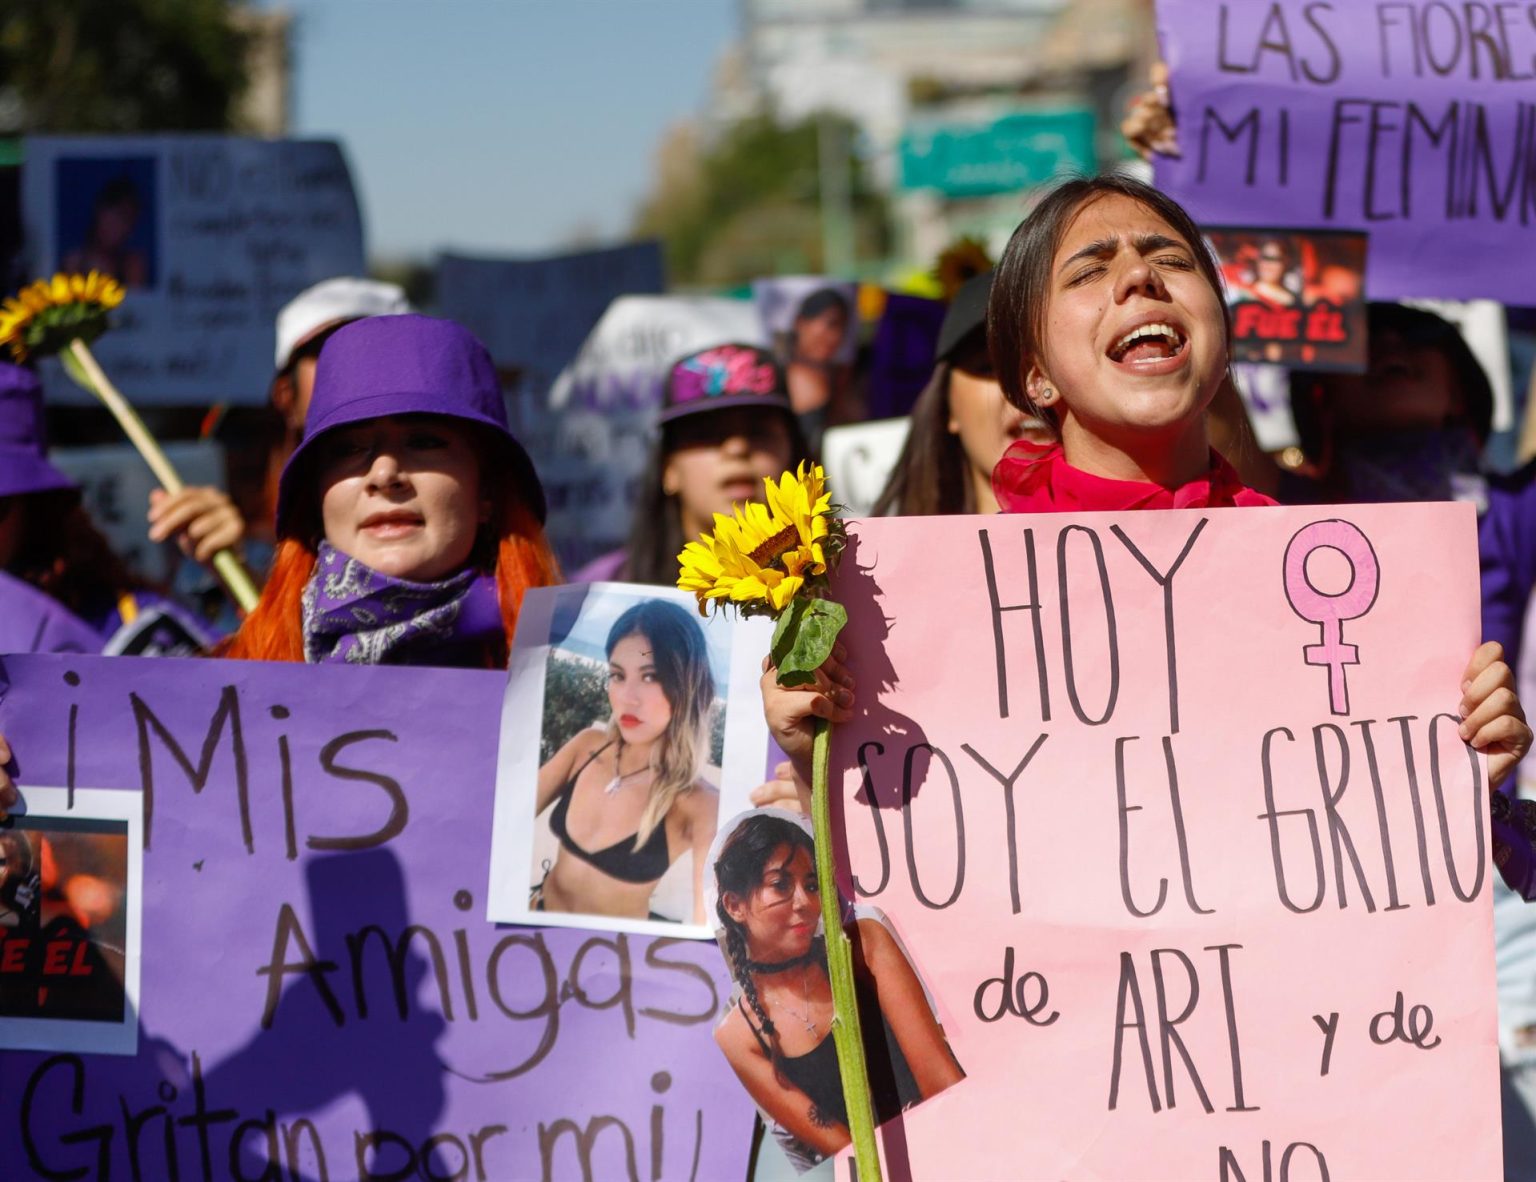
(1171, 812)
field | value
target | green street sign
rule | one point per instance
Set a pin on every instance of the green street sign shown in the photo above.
(1020, 149)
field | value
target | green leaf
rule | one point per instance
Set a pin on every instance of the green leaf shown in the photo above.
(807, 640)
(784, 630)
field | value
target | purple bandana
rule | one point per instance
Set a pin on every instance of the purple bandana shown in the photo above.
(356, 615)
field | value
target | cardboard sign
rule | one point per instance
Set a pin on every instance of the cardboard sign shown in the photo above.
(533, 314)
(1409, 120)
(320, 996)
(1182, 836)
(210, 235)
(859, 459)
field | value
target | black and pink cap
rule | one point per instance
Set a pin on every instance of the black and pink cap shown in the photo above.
(722, 377)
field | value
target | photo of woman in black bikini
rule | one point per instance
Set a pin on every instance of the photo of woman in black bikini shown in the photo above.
(777, 1031)
(627, 797)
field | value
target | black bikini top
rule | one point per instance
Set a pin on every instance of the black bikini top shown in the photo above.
(893, 1088)
(620, 860)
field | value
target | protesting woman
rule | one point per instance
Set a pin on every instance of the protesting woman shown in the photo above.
(778, 1035)
(725, 426)
(409, 521)
(960, 423)
(628, 799)
(1107, 321)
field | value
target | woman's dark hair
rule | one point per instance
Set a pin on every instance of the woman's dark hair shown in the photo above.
(681, 657)
(930, 474)
(739, 872)
(1415, 327)
(63, 553)
(1021, 290)
(823, 300)
(120, 190)
(656, 534)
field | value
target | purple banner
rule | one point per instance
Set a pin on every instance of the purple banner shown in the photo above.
(1411, 120)
(320, 999)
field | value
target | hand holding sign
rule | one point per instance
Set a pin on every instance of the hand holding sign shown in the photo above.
(1493, 720)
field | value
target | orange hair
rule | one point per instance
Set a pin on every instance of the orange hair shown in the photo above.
(521, 559)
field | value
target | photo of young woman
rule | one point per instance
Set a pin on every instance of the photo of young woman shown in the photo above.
(777, 1031)
(627, 796)
(813, 322)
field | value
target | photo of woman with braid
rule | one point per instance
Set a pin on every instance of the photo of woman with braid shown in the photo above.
(626, 795)
(777, 1033)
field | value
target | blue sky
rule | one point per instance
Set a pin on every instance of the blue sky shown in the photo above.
(500, 126)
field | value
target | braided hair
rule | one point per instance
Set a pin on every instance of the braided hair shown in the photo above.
(739, 871)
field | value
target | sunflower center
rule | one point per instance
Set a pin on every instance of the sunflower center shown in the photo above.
(781, 543)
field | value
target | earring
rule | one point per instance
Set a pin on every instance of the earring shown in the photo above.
(1047, 395)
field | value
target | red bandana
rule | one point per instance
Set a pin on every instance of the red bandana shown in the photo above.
(1035, 478)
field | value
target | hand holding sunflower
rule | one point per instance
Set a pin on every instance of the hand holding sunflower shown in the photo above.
(775, 559)
(62, 316)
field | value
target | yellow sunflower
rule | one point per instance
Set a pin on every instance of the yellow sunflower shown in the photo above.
(45, 316)
(762, 555)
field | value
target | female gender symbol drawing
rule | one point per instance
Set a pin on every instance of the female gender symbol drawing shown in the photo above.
(1330, 611)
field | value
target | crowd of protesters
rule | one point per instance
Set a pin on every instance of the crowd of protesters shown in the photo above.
(400, 521)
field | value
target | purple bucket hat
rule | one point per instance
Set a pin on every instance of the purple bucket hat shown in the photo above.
(401, 365)
(720, 378)
(24, 467)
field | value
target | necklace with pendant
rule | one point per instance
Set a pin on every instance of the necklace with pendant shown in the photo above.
(803, 1017)
(617, 782)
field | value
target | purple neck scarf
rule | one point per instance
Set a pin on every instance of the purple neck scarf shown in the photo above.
(355, 615)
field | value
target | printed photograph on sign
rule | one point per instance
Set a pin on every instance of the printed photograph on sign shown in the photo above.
(765, 903)
(107, 217)
(610, 807)
(1297, 296)
(70, 903)
(813, 323)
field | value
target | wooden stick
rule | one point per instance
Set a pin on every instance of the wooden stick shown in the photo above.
(228, 567)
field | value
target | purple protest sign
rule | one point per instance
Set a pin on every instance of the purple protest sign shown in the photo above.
(1412, 121)
(319, 996)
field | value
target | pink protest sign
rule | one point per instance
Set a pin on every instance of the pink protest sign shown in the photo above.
(1171, 812)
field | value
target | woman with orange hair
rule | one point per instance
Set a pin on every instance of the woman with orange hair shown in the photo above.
(409, 520)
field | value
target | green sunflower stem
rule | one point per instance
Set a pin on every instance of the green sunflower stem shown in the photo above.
(846, 1034)
(85, 371)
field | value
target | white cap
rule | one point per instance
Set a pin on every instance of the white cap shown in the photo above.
(330, 304)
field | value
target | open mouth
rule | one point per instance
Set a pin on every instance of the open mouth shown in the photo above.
(1146, 344)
